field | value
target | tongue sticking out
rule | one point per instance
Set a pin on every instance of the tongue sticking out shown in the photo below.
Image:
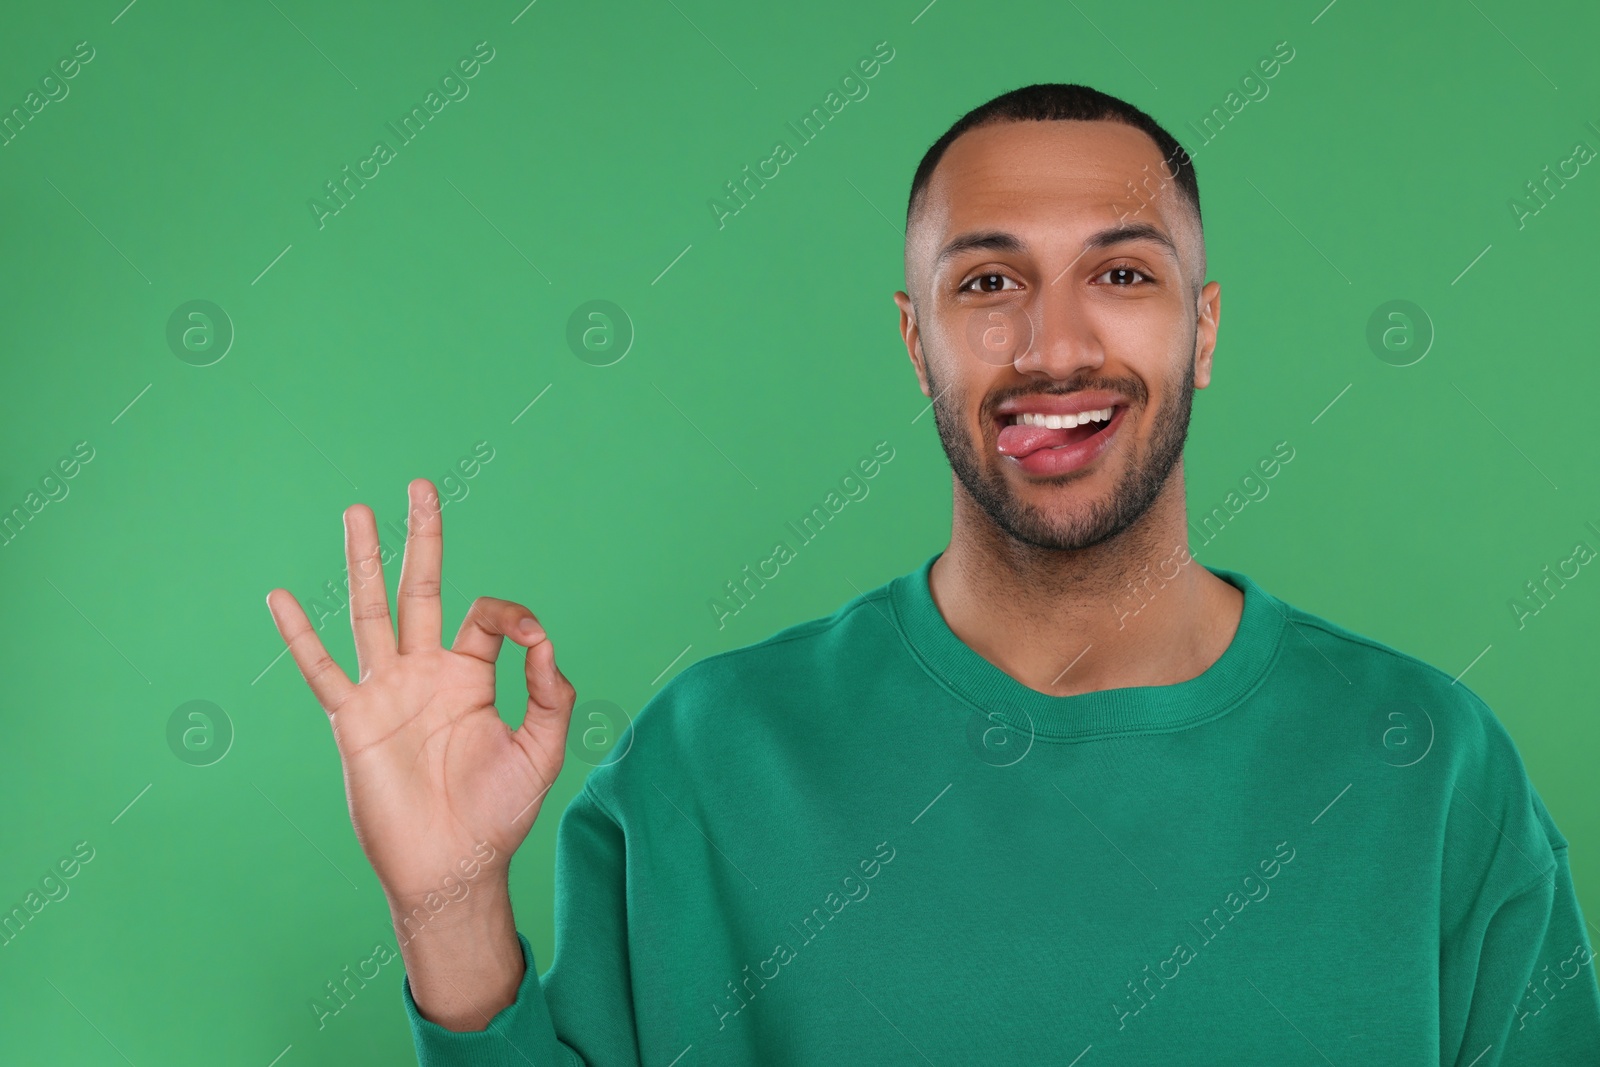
(1020, 440)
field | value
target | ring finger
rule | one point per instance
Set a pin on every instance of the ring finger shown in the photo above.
(369, 600)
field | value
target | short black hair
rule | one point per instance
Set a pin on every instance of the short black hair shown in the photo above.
(1049, 101)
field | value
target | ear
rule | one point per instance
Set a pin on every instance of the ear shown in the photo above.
(913, 339)
(1208, 305)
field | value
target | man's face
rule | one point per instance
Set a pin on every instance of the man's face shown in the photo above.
(1045, 286)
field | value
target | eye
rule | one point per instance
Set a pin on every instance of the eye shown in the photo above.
(989, 283)
(1122, 276)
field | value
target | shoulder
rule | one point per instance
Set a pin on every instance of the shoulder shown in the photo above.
(1419, 712)
(1367, 666)
(1376, 678)
(795, 663)
(797, 648)
(731, 709)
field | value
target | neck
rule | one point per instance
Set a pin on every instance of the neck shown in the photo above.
(1135, 609)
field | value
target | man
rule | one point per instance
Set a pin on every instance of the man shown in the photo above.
(1059, 795)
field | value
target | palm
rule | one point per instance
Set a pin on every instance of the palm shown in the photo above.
(430, 768)
(432, 773)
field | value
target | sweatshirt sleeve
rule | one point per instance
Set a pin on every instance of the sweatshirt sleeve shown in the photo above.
(1517, 981)
(520, 1034)
(1517, 971)
(1540, 1003)
(581, 1011)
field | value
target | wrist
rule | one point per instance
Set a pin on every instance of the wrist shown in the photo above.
(437, 885)
(464, 963)
(483, 904)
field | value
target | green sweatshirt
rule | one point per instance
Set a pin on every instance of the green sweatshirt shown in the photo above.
(859, 842)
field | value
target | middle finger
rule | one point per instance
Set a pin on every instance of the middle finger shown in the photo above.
(419, 572)
(369, 600)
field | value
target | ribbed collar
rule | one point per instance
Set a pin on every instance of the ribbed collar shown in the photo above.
(1107, 712)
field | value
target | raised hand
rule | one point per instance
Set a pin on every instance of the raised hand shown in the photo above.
(431, 772)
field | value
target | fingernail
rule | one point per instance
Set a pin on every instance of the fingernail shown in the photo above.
(528, 626)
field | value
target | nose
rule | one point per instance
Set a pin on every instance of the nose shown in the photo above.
(1065, 340)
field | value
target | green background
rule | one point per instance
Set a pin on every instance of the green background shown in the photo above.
(433, 309)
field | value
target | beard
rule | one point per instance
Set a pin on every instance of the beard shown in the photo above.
(1147, 471)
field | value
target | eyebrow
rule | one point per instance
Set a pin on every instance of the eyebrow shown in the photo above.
(1001, 241)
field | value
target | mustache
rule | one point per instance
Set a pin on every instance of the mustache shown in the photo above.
(1130, 388)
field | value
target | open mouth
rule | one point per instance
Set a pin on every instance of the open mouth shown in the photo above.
(1024, 433)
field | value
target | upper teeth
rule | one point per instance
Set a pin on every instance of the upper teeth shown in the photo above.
(1064, 422)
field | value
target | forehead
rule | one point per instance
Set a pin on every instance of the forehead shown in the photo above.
(1070, 176)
